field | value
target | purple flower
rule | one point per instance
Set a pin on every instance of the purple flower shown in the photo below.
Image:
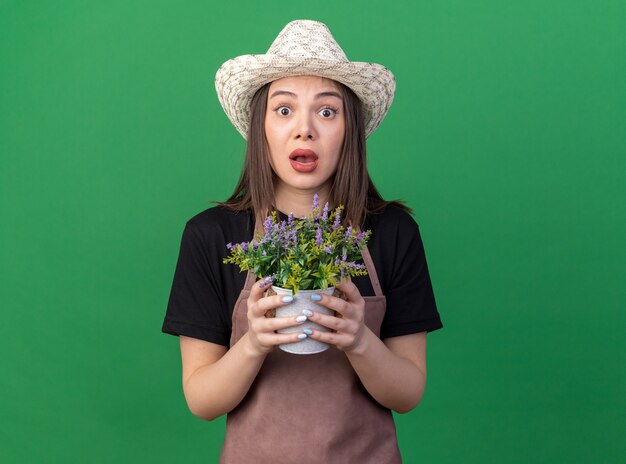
(316, 201)
(348, 233)
(360, 237)
(337, 222)
(267, 281)
(244, 246)
(343, 264)
(229, 245)
(281, 236)
(325, 212)
(328, 249)
(356, 266)
(318, 237)
(281, 230)
(268, 225)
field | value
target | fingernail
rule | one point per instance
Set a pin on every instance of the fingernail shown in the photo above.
(316, 297)
(302, 336)
(300, 318)
(307, 313)
(307, 331)
(287, 299)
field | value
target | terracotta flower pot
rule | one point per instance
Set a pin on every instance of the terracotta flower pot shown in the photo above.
(302, 300)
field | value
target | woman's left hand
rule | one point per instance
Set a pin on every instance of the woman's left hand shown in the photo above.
(350, 327)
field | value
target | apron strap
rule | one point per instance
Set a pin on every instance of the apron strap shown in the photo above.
(371, 270)
(250, 280)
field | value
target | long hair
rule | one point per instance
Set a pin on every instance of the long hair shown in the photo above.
(351, 185)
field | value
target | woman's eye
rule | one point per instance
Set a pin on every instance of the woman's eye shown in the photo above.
(327, 112)
(284, 111)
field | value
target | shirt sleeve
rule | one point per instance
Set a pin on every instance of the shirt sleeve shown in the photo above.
(411, 306)
(196, 307)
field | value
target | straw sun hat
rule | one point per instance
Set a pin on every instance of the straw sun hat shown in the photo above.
(303, 47)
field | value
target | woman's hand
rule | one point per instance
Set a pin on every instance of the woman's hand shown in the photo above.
(350, 327)
(261, 329)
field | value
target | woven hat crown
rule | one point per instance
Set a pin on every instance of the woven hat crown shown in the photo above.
(307, 39)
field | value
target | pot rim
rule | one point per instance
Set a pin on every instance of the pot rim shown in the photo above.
(328, 290)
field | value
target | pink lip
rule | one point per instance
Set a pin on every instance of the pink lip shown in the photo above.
(303, 160)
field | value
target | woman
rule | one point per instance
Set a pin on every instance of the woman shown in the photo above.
(305, 111)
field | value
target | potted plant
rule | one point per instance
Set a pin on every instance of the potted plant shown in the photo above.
(301, 257)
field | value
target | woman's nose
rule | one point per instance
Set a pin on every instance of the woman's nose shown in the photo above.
(304, 128)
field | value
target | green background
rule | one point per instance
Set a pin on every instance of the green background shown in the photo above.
(507, 137)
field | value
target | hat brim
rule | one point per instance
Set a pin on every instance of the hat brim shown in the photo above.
(238, 79)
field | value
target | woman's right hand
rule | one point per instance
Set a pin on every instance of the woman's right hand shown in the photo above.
(261, 329)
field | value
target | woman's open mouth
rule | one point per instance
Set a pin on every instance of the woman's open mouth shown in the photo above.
(303, 160)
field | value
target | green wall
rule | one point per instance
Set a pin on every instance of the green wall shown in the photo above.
(507, 137)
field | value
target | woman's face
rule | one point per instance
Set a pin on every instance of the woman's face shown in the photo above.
(305, 127)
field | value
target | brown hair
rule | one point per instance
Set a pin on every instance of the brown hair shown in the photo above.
(351, 184)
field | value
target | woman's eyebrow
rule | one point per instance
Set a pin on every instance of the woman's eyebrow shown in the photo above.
(283, 92)
(293, 95)
(328, 94)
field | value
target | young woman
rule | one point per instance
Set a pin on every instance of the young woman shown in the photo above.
(305, 111)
